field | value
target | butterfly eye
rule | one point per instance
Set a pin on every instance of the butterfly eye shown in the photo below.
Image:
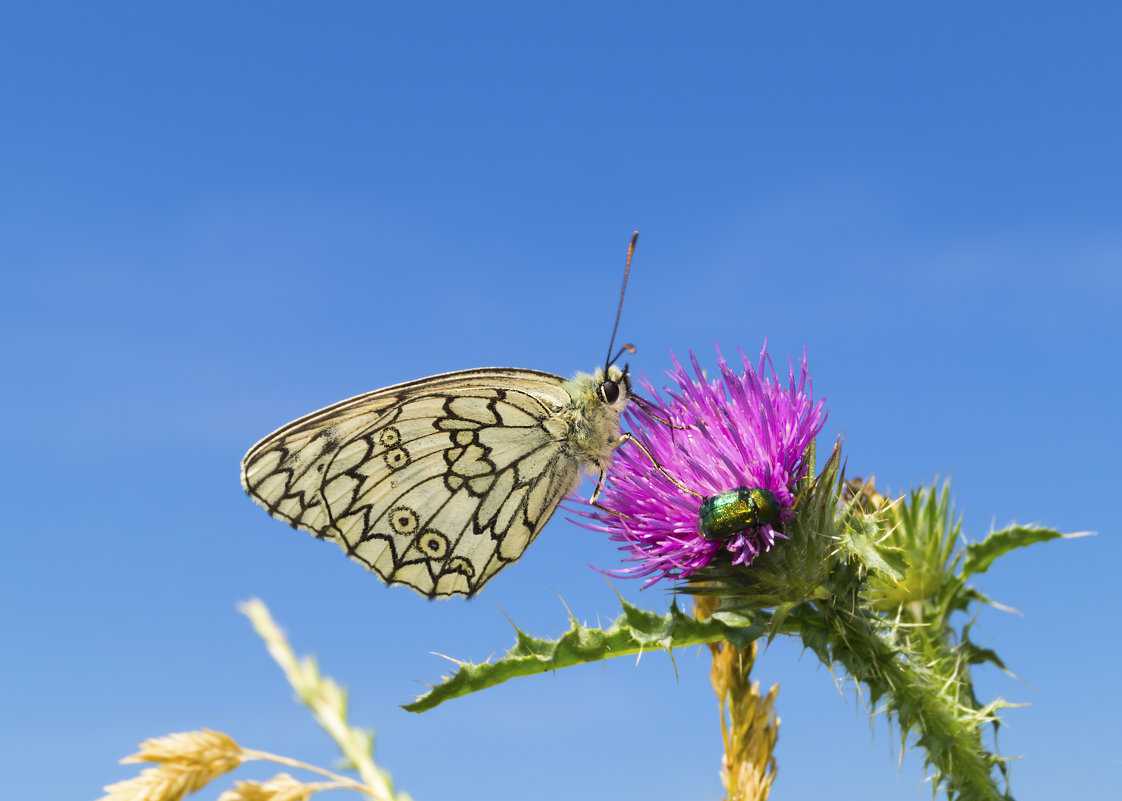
(609, 391)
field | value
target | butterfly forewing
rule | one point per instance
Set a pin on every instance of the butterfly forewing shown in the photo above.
(437, 484)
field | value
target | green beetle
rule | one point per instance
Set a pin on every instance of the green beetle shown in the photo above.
(735, 511)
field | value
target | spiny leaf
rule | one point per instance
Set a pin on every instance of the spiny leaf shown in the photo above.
(980, 555)
(923, 704)
(632, 632)
(883, 559)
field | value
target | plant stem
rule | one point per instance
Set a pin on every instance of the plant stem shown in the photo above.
(342, 781)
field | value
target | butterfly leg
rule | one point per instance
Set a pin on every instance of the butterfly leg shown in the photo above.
(645, 407)
(628, 438)
(612, 512)
(596, 494)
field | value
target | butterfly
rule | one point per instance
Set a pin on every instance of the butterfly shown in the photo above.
(440, 483)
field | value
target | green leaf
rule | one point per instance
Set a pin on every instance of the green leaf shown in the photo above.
(923, 701)
(885, 560)
(977, 656)
(980, 555)
(632, 632)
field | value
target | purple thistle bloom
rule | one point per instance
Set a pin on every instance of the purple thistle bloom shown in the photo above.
(740, 431)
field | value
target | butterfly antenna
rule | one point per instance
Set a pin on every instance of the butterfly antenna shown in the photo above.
(619, 311)
(628, 348)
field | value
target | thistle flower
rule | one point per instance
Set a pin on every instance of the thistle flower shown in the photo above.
(742, 431)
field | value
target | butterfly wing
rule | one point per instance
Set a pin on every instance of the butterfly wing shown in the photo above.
(437, 484)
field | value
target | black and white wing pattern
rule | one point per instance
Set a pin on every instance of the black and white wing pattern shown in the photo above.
(436, 484)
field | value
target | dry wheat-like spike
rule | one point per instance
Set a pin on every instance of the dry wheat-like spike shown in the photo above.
(203, 747)
(281, 787)
(170, 781)
(751, 727)
(748, 768)
(189, 761)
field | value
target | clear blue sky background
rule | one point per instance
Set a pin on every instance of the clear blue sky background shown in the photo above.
(215, 217)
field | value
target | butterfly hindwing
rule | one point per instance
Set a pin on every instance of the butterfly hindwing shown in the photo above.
(436, 484)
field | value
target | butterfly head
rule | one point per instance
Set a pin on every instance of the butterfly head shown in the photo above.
(592, 415)
(612, 382)
(597, 401)
(613, 386)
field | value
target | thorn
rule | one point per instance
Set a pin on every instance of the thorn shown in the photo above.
(1011, 609)
(458, 662)
(572, 617)
(613, 586)
(508, 620)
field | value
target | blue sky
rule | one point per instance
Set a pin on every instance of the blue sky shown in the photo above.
(217, 217)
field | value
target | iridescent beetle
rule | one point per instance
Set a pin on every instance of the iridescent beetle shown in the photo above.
(735, 511)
